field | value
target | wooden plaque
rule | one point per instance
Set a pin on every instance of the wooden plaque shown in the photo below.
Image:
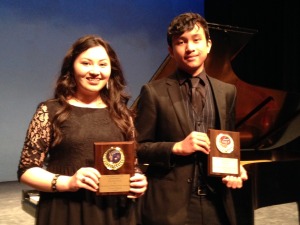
(115, 162)
(224, 157)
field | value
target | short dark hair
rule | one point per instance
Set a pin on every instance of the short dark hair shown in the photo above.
(186, 22)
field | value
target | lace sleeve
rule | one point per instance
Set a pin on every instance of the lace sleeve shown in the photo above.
(37, 141)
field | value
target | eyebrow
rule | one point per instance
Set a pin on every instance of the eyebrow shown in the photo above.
(93, 60)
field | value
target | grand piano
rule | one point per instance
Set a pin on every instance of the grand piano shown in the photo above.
(269, 124)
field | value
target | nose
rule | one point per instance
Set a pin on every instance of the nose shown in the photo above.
(189, 47)
(95, 70)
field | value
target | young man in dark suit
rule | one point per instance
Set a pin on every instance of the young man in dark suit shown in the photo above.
(172, 136)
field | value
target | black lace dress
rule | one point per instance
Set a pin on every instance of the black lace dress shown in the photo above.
(83, 127)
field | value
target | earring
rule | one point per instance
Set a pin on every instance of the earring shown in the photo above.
(107, 86)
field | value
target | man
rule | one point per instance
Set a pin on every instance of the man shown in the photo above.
(172, 135)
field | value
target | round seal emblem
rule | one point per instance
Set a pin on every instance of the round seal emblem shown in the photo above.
(224, 143)
(113, 158)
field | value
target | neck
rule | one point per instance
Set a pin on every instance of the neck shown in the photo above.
(90, 102)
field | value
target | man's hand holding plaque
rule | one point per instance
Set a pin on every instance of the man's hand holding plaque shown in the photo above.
(115, 162)
(224, 157)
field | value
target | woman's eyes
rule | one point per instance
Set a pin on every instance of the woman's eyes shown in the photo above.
(85, 63)
(103, 64)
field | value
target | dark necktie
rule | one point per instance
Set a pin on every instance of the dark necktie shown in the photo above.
(197, 96)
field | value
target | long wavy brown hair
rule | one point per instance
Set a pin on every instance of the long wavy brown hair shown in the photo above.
(115, 97)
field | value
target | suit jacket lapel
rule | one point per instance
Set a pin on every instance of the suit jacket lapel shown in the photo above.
(219, 94)
(179, 104)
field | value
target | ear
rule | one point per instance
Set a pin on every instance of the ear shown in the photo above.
(170, 51)
(209, 44)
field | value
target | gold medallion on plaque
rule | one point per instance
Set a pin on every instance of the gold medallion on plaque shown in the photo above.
(224, 143)
(113, 158)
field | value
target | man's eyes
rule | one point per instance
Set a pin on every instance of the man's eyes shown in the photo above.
(196, 40)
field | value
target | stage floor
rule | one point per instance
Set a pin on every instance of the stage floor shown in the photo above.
(11, 212)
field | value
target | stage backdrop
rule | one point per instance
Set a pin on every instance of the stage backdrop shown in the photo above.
(35, 35)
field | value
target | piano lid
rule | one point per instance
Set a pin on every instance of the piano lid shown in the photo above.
(266, 118)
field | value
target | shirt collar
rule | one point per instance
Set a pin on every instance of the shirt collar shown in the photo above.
(182, 76)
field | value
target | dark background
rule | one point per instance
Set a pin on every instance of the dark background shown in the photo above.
(271, 60)
(271, 57)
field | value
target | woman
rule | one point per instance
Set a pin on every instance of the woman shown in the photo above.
(89, 105)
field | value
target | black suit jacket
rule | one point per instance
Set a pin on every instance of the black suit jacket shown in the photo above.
(161, 121)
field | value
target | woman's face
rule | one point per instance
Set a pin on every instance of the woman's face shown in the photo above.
(92, 70)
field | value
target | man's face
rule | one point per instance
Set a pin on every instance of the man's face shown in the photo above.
(190, 50)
